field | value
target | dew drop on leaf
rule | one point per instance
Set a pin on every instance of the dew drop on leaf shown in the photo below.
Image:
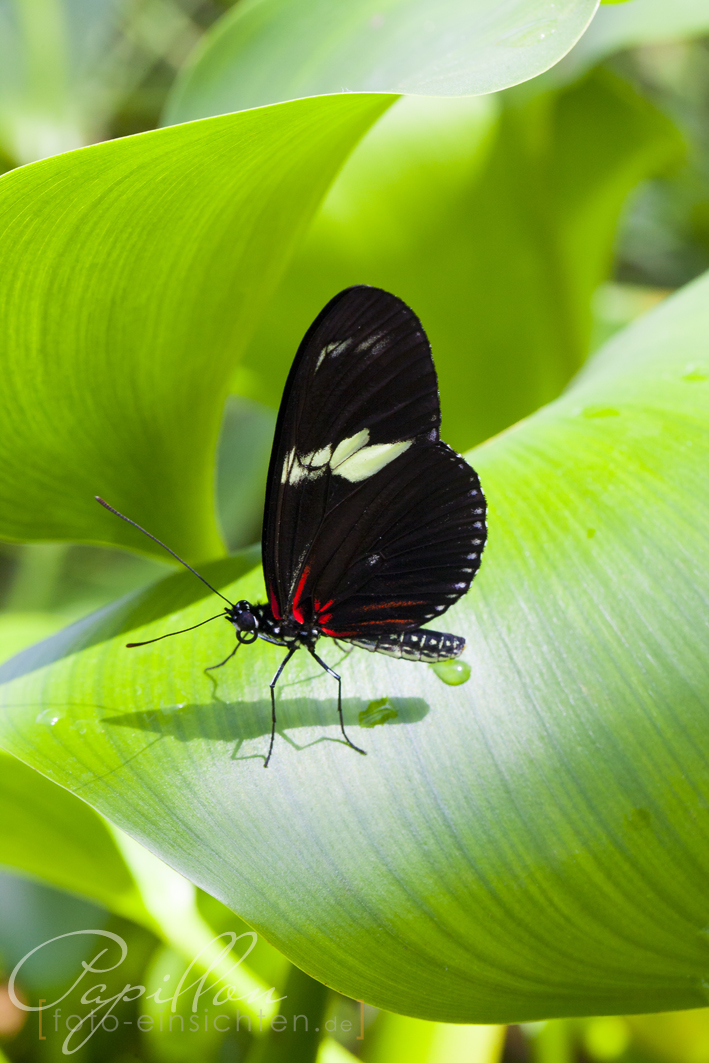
(49, 717)
(452, 672)
(532, 33)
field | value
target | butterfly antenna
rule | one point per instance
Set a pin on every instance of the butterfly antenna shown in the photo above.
(177, 557)
(132, 645)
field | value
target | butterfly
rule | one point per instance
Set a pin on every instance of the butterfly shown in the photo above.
(372, 525)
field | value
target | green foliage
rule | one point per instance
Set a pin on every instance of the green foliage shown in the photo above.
(497, 232)
(67, 66)
(47, 832)
(265, 51)
(125, 301)
(641, 22)
(43, 67)
(568, 767)
(525, 835)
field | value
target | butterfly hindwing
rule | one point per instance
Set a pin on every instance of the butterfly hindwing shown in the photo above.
(371, 523)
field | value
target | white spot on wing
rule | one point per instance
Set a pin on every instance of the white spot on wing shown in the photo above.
(317, 459)
(338, 347)
(369, 460)
(369, 341)
(287, 467)
(299, 467)
(349, 446)
(352, 459)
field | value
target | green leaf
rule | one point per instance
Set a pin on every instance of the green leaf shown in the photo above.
(497, 235)
(305, 997)
(242, 464)
(48, 833)
(397, 1039)
(531, 843)
(133, 272)
(264, 51)
(637, 23)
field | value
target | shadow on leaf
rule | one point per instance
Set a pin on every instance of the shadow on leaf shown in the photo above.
(238, 720)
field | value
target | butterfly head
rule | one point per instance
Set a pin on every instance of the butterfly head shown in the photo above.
(244, 620)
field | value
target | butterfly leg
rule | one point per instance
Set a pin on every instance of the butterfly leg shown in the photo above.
(229, 656)
(275, 679)
(334, 675)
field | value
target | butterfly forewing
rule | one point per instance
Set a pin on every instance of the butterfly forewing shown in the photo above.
(371, 523)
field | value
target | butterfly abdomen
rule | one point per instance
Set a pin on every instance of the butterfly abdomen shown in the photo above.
(418, 645)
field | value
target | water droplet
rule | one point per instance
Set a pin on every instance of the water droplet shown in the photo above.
(600, 411)
(166, 710)
(452, 672)
(377, 712)
(532, 33)
(49, 717)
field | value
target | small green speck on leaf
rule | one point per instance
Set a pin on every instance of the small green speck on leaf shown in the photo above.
(379, 711)
(638, 819)
(590, 532)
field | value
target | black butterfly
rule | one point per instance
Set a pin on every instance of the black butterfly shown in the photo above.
(372, 526)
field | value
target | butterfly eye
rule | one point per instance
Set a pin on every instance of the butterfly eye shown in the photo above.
(242, 617)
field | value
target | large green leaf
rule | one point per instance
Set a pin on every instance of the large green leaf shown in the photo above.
(264, 51)
(133, 272)
(637, 23)
(497, 235)
(531, 843)
(47, 832)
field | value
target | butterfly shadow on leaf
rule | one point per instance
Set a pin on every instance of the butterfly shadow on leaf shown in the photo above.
(235, 722)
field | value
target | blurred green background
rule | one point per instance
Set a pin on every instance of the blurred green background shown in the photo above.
(615, 218)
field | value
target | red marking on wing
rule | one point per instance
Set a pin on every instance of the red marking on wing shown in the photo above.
(320, 611)
(296, 610)
(274, 604)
